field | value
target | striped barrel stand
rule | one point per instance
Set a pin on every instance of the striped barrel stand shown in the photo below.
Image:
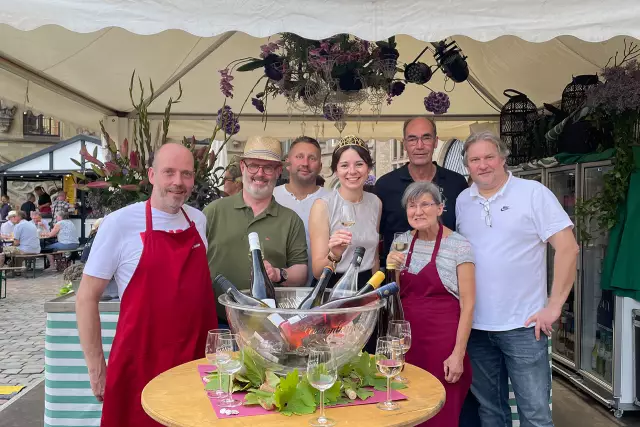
(512, 398)
(68, 397)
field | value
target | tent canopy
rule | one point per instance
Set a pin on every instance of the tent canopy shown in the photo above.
(76, 60)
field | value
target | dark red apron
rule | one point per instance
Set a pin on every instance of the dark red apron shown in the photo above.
(427, 303)
(165, 314)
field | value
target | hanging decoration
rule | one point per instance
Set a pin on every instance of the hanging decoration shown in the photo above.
(575, 93)
(517, 121)
(6, 117)
(335, 77)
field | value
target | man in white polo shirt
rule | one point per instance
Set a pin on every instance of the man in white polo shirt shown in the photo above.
(304, 164)
(508, 221)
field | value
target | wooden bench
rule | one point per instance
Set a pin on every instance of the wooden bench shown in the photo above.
(3, 279)
(63, 258)
(29, 261)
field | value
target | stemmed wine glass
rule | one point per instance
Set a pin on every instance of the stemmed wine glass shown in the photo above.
(401, 330)
(213, 337)
(389, 361)
(401, 244)
(347, 215)
(322, 373)
(230, 358)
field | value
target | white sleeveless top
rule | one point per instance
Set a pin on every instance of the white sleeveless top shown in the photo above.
(364, 231)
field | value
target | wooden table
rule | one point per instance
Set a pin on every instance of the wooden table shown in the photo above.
(177, 398)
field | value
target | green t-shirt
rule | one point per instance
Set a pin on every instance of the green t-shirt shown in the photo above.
(229, 222)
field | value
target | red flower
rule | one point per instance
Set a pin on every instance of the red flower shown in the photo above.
(88, 157)
(99, 184)
(133, 159)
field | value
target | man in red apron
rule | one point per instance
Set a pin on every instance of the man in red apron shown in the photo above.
(156, 253)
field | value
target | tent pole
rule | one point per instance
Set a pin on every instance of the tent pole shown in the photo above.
(190, 66)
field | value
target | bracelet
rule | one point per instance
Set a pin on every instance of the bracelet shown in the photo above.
(334, 259)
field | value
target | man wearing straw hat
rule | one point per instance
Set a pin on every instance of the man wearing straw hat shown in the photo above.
(254, 209)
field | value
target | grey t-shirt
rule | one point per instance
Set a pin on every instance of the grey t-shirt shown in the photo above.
(454, 250)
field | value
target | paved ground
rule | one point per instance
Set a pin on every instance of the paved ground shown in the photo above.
(22, 328)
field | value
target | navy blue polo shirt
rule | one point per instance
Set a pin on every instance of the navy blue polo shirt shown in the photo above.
(390, 188)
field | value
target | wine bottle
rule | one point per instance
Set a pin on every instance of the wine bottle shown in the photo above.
(373, 283)
(297, 328)
(316, 296)
(347, 286)
(235, 295)
(261, 286)
(393, 309)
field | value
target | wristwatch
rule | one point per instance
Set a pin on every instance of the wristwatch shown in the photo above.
(283, 276)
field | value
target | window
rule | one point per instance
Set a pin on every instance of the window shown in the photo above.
(33, 125)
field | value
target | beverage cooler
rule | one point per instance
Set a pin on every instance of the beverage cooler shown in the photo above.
(591, 343)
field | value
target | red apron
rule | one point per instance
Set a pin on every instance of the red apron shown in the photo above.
(165, 314)
(426, 302)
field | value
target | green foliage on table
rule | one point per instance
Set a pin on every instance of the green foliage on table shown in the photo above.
(293, 395)
(65, 289)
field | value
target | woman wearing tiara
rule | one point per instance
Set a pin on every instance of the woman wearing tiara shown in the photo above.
(347, 217)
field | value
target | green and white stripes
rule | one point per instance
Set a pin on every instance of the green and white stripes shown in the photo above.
(68, 397)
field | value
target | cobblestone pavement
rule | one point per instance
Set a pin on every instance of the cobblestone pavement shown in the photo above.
(22, 327)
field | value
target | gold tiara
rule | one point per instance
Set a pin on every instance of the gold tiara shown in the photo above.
(352, 140)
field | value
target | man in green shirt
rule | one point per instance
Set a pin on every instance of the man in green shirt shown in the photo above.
(231, 219)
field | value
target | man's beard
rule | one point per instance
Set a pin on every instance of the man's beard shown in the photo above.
(258, 193)
(171, 198)
(311, 178)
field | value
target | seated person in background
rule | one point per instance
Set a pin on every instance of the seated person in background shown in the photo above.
(36, 219)
(232, 179)
(86, 250)
(29, 206)
(66, 233)
(6, 229)
(25, 237)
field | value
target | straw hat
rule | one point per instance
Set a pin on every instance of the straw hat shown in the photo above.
(262, 148)
(11, 214)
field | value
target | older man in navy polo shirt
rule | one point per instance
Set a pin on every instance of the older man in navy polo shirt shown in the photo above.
(420, 141)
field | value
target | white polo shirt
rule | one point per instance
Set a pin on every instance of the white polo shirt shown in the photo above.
(511, 273)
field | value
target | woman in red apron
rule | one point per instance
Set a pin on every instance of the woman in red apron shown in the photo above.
(439, 343)
(167, 309)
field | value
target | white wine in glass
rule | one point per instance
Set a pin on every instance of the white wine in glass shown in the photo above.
(389, 361)
(347, 215)
(401, 330)
(213, 337)
(230, 358)
(322, 373)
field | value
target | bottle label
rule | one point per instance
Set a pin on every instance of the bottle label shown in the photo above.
(270, 302)
(295, 319)
(276, 319)
(254, 241)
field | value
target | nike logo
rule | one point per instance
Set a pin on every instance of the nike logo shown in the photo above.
(504, 208)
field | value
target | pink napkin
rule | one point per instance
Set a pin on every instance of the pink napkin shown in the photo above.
(248, 411)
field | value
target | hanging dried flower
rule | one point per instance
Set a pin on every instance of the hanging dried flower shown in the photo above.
(437, 102)
(225, 83)
(228, 121)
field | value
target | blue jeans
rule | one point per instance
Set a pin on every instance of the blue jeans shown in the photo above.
(57, 246)
(515, 354)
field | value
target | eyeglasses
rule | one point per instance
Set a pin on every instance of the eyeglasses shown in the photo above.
(487, 212)
(413, 140)
(266, 169)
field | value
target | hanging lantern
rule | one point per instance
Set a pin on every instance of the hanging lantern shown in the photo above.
(6, 117)
(517, 122)
(575, 93)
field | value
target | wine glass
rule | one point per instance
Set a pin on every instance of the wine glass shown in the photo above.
(401, 330)
(347, 215)
(401, 244)
(213, 337)
(230, 359)
(389, 361)
(322, 373)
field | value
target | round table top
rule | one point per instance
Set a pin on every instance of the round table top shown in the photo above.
(177, 398)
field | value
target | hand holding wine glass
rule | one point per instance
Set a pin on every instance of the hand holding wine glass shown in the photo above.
(339, 241)
(401, 330)
(322, 373)
(230, 359)
(213, 339)
(401, 245)
(389, 361)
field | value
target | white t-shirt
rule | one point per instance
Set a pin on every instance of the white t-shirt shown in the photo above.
(7, 228)
(511, 273)
(117, 248)
(302, 208)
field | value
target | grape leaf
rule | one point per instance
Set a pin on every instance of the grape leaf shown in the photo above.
(364, 393)
(332, 394)
(251, 399)
(285, 389)
(252, 369)
(272, 379)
